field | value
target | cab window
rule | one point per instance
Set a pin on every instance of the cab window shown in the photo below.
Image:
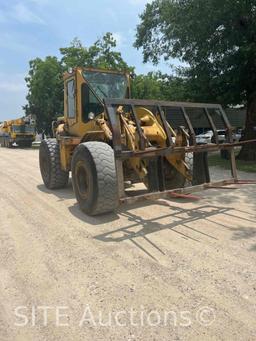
(90, 103)
(71, 98)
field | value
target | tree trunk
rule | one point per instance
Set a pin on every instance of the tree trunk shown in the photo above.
(248, 151)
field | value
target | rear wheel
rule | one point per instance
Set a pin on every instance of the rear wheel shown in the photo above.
(49, 159)
(94, 178)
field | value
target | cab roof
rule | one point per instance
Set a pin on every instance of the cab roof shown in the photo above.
(73, 71)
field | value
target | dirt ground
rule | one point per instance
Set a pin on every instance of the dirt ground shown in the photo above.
(163, 270)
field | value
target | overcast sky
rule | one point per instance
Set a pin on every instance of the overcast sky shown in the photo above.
(37, 28)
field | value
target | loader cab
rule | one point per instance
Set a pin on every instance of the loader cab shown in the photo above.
(85, 90)
(91, 104)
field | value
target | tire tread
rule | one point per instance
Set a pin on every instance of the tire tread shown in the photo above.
(58, 178)
(103, 158)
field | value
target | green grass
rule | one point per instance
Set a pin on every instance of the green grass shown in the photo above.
(245, 166)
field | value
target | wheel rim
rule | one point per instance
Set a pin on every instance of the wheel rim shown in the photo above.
(82, 180)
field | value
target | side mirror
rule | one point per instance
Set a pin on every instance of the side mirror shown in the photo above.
(91, 115)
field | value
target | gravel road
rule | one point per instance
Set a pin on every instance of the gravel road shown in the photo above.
(164, 270)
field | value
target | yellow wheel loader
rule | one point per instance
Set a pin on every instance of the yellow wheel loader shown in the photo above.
(19, 132)
(110, 142)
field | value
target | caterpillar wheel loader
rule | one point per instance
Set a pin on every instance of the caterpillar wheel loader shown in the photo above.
(19, 132)
(109, 142)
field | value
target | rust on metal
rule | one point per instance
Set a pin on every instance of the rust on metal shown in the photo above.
(166, 194)
(184, 196)
(157, 153)
(142, 139)
(214, 129)
(246, 182)
(190, 126)
(150, 152)
(222, 187)
(165, 126)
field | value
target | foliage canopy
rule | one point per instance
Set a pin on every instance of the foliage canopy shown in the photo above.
(218, 41)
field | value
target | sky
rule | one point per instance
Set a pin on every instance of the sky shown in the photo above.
(38, 28)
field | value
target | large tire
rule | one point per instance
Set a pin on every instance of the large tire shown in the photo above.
(173, 178)
(201, 173)
(94, 178)
(49, 159)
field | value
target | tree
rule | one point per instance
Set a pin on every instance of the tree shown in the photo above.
(146, 87)
(44, 80)
(101, 54)
(218, 41)
(45, 91)
(160, 87)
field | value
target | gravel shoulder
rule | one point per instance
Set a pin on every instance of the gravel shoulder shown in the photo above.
(193, 259)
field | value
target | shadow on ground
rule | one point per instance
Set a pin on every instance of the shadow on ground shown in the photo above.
(180, 218)
(141, 227)
(61, 194)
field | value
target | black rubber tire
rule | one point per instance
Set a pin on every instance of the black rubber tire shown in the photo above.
(49, 159)
(201, 173)
(174, 179)
(94, 178)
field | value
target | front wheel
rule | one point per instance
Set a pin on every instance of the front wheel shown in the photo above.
(201, 172)
(94, 178)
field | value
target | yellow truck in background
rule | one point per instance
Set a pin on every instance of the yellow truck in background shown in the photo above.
(20, 132)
